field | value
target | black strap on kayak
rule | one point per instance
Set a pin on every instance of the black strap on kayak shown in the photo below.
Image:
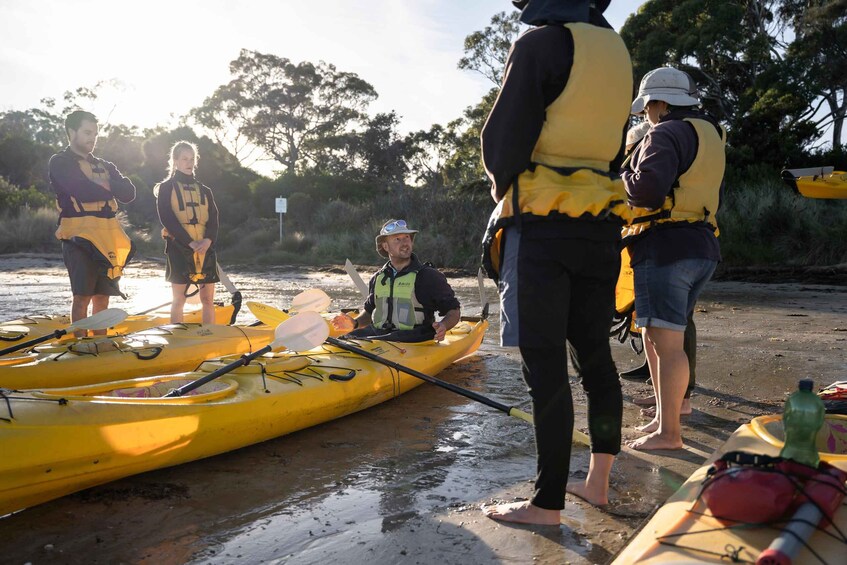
(6, 395)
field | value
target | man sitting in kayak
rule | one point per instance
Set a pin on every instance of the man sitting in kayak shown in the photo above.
(404, 295)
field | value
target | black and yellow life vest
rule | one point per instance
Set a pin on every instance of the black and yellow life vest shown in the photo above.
(696, 194)
(96, 223)
(570, 172)
(191, 208)
(396, 304)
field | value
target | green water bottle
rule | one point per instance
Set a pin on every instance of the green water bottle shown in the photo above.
(802, 418)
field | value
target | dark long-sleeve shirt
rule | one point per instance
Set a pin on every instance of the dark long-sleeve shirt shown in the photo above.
(169, 219)
(68, 180)
(537, 71)
(667, 152)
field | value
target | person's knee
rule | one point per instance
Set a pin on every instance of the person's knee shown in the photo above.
(81, 300)
(664, 341)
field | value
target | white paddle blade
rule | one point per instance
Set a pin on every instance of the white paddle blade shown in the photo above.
(101, 320)
(312, 300)
(357, 280)
(302, 332)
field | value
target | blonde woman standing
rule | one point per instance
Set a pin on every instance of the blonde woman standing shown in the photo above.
(189, 219)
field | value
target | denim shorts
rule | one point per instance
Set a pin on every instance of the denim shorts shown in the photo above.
(666, 294)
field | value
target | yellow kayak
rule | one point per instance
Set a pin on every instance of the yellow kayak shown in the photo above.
(683, 531)
(60, 441)
(817, 182)
(31, 327)
(161, 350)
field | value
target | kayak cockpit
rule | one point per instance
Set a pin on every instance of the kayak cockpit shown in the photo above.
(831, 441)
(146, 390)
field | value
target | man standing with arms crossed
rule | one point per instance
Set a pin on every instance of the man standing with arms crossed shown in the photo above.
(94, 246)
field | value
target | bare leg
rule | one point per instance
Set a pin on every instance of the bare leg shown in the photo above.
(672, 381)
(653, 362)
(178, 302)
(99, 302)
(523, 513)
(685, 410)
(79, 311)
(595, 488)
(207, 298)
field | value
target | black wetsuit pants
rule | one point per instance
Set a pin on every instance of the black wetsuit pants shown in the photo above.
(566, 298)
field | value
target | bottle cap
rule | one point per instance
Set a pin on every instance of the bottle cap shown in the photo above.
(806, 385)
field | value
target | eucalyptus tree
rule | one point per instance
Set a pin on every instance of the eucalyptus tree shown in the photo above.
(740, 54)
(285, 108)
(818, 56)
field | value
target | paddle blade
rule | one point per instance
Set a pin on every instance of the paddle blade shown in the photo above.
(302, 332)
(267, 314)
(357, 280)
(312, 300)
(100, 321)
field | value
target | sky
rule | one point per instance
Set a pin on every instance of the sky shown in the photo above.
(168, 56)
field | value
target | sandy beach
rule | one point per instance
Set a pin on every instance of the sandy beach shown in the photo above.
(403, 482)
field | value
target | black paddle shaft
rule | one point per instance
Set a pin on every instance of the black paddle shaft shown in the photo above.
(423, 376)
(243, 360)
(55, 335)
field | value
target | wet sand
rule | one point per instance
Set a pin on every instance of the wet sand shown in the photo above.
(403, 482)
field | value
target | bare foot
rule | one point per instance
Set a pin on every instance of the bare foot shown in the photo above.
(685, 410)
(651, 427)
(646, 401)
(523, 513)
(594, 496)
(655, 440)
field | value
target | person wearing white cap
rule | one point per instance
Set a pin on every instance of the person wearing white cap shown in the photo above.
(404, 295)
(552, 147)
(673, 182)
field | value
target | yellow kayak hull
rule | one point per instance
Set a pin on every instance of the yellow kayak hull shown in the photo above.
(819, 182)
(700, 533)
(60, 441)
(162, 350)
(31, 327)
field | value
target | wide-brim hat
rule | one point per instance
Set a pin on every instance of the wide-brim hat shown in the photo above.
(389, 228)
(667, 84)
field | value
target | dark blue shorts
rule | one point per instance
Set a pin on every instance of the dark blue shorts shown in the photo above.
(665, 295)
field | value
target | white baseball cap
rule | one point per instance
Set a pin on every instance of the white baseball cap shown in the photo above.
(670, 85)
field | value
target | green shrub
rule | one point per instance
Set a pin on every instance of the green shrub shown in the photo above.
(766, 223)
(29, 230)
(13, 198)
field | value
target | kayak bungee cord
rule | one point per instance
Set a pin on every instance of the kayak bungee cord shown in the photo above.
(4, 394)
(732, 553)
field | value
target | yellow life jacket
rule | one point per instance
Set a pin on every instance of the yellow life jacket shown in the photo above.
(191, 208)
(396, 304)
(96, 223)
(697, 196)
(570, 173)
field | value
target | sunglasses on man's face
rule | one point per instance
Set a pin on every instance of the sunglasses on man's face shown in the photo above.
(397, 224)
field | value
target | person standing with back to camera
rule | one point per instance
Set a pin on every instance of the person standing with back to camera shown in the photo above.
(95, 247)
(674, 182)
(189, 218)
(552, 146)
